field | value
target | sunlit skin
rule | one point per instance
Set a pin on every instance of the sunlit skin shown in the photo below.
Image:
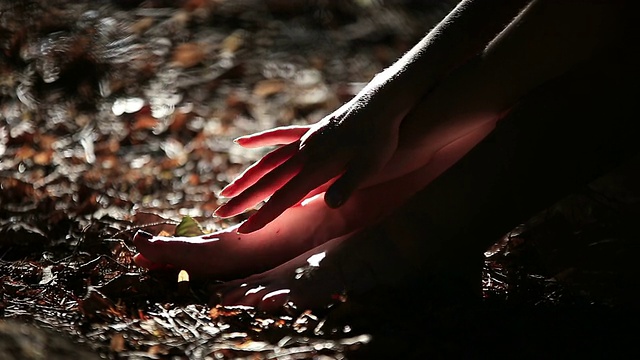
(292, 234)
(341, 271)
(355, 145)
(383, 150)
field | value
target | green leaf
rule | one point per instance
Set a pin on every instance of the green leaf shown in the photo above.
(189, 227)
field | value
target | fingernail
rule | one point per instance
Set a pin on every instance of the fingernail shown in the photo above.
(219, 211)
(243, 229)
(145, 235)
(225, 190)
(333, 199)
(246, 227)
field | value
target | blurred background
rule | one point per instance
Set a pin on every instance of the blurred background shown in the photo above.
(118, 114)
(135, 103)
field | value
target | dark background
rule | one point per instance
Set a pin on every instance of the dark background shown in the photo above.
(119, 115)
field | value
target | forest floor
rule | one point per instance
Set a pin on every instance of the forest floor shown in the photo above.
(119, 115)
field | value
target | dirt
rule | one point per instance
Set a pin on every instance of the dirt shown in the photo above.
(119, 115)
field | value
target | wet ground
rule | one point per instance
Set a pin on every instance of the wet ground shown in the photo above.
(119, 115)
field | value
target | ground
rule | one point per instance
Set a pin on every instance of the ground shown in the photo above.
(119, 115)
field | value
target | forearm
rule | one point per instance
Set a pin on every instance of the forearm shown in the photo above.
(462, 34)
(548, 39)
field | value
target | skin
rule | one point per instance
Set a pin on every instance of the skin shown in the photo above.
(439, 235)
(352, 147)
(549, 40)
(288, 236)
(379, 106)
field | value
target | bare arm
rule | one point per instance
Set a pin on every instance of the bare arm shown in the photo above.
(462, 34)
(352, 145)
(547, 39)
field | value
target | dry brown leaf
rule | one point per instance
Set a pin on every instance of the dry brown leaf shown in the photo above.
(144, 122)
(142, 25)
(118, 343)
(268, 87)
(233, 42)
(188, 55)
(25, 152)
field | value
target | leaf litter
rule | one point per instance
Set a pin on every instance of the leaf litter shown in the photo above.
(119, 115)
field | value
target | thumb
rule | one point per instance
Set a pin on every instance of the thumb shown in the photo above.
(355, 175)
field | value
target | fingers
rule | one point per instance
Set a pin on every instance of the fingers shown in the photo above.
(289, 195)
(277, 136)
(256, 171)
(262, 189)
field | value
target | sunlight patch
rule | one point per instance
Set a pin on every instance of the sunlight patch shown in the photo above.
(314, 260)
(305, 202)
(254, 290)
(276, 293)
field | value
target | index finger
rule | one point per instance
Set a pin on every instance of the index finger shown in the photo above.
(278, 136)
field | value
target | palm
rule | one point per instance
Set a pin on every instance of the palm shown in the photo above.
(332, 155)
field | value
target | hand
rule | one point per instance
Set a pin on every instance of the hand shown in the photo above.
(337, 154)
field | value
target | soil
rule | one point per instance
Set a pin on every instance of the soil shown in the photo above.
(119, 115)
